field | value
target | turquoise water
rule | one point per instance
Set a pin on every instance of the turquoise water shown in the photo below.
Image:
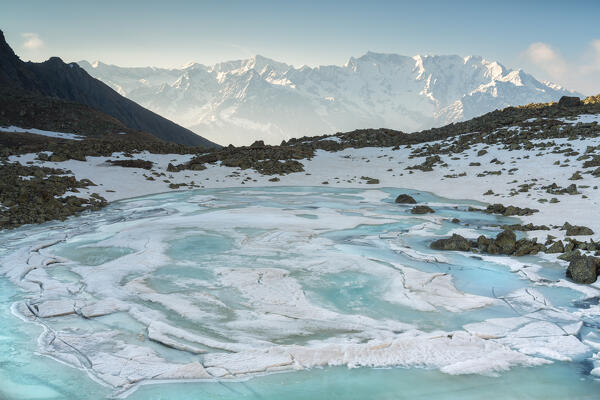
(264, 267)
(24, 374)
(388, 384)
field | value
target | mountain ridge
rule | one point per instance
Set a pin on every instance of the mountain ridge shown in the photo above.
(258, 98)
(69, 82)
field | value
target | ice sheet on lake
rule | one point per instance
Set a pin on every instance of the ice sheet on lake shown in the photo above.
(224, 284)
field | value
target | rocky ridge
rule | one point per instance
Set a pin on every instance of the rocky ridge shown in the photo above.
(54, 80)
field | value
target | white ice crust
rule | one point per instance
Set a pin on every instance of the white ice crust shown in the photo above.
(257, 312)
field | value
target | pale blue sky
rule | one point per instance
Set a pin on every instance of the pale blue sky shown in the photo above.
(565, 35)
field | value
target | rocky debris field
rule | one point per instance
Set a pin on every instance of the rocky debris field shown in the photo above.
(144, 164)
(268, 160)
(542, 156)
(514, 127)
(583, 257)
(52, 114)
(31, 194)
(506, 243)
(58, 150)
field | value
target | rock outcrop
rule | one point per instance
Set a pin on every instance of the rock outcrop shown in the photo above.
(69, 82)
(505, 243)
(583, 269)
(405, 199)
(575, 230)
(421, 210)
(453, 243)
(569, 101)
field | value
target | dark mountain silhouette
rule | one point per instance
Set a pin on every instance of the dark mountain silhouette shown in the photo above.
(53, 78)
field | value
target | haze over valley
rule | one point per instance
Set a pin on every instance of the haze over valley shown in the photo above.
(241, 101)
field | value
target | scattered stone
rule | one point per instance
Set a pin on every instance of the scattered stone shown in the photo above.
(568, 255)
(555, 189)
(172, 168)
(569, 101)
(132, 163)
(421, 210)
(583, 269)
(428, 164)
(574, 230)
(454, 243)
(506, 241)
(526, 228)
(41, 198)
(370, 181)
(594, 162)
(509, 210)
(576, 176)
(556, 247)
(528, 247)
(405, 199)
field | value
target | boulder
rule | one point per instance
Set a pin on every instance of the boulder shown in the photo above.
(172, 168)
(421, 210)
(583, 269)
(197, 167)
(57, 158)
(569, 101)
(132, 163)
(569, 255)
(405, 199)
(493, 248)
(556, 247)
(509, 211)
(506, 241)
(369, 180)
(483, 243)
(455, 243)
(525, 247)
(575, 230)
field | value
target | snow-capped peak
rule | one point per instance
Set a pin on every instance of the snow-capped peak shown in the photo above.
(241, 101)
(189, 64)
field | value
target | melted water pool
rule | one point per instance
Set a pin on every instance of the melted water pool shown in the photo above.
(272, 293)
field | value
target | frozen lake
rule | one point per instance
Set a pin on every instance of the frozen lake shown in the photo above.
(270, 293)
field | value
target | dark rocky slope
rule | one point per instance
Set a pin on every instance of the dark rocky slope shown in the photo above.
(55, 79)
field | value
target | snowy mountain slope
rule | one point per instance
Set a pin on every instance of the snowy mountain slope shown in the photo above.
(259, 98)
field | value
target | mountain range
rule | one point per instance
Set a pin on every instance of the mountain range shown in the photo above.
(242, 101)
(66, 87)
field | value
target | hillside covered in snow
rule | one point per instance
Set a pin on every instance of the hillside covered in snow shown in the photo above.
(258, 98)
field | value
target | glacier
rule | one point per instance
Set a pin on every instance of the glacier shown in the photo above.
(241, 101)
(279, 292)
